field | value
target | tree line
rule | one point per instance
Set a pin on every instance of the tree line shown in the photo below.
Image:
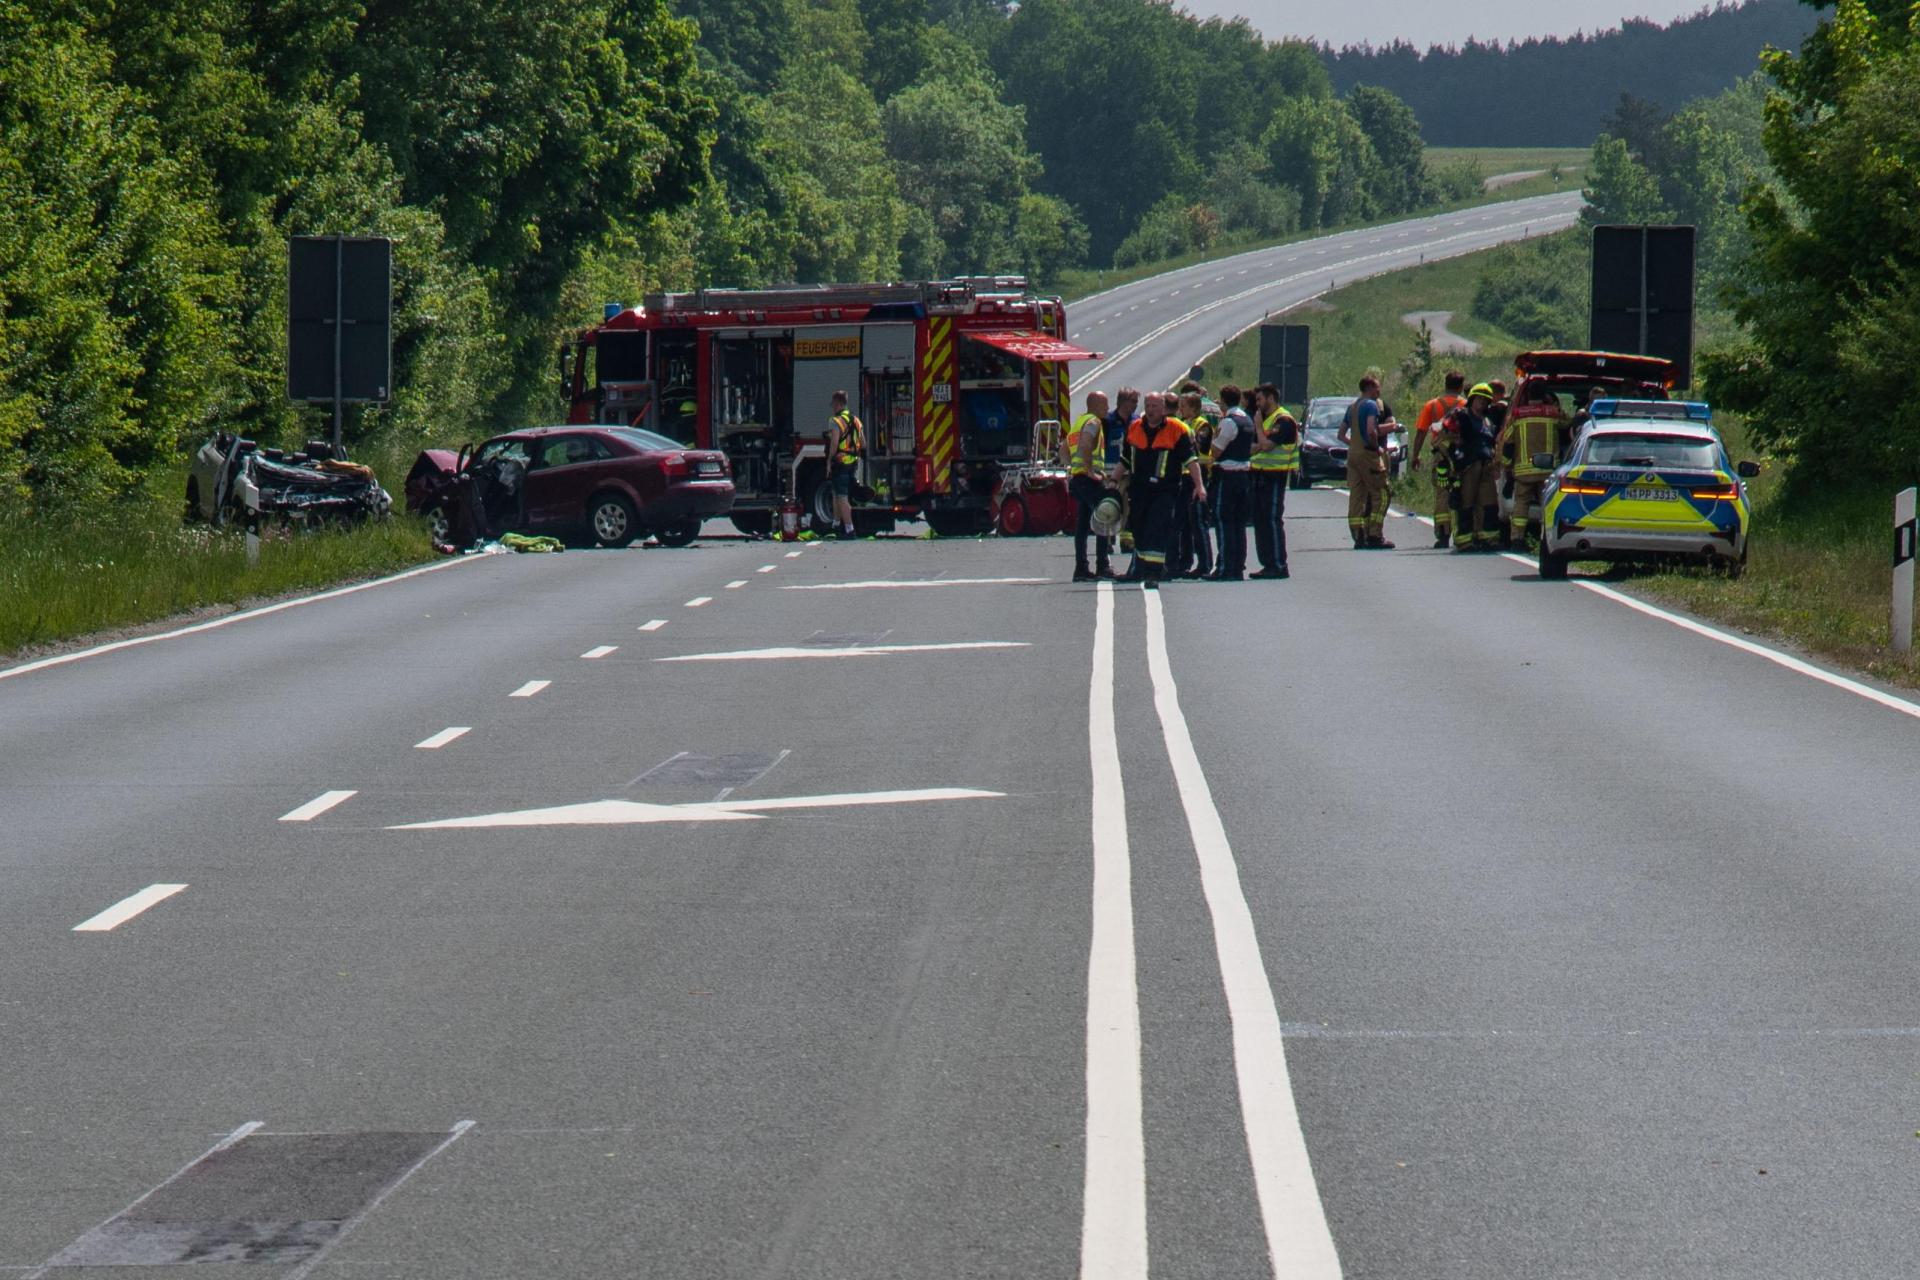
(1558, 91)
(532, 158)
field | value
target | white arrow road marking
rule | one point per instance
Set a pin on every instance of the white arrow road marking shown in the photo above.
(881, 583)
(442, 738)
(859, 651)
(127, 908)
(621, 813)
(317, 806)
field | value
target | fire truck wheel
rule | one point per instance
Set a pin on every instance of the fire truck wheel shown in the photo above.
(610, 521)
(679, 535)
(821, 507)
(1015, 520)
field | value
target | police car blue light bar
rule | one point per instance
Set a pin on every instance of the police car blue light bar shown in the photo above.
(1669, 410)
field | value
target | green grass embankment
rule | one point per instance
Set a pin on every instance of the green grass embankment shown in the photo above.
(1819, 574)
(133, 562)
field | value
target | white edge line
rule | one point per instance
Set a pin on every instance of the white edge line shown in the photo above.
(347, 1228)
(149, 1193)
(317, 806)
(1113, 1218)
(215, 623)
(1299, 1239)
(127, 908)
(443, 737)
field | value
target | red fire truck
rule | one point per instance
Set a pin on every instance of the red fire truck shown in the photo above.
(950, 378)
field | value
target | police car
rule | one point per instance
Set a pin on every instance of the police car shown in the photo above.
(1646, 489)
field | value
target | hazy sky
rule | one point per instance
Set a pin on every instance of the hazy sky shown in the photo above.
(1427, 22)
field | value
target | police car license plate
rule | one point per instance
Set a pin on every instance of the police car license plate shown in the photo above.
(1644, 494)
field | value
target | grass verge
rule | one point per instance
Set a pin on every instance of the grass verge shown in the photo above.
(134, 562)
(1818, 575)
(1494, 161)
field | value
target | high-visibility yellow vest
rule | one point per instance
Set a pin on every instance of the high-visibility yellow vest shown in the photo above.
(1089, 442)
(1202, 426)
(1277, 456)
(853, 443)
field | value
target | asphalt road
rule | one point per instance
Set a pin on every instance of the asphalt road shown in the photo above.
(1151, 331)
(755, 911)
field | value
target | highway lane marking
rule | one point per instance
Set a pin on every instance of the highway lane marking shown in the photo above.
(442, 738)
(1113, 1220)
(882, 583)
(530, 688)
(1787, 660)
(127, 908)
(62, 659)
(856, 651)
(154, 1190)
(793, 555)
(766, 568)
(1273, 284)
(317, 806)
(736, 584)
(1299, 1240)
(655, 625)
(620, 813)
(600, 651)
(697, 601)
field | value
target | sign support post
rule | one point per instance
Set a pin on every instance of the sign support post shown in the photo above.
(1904, 526)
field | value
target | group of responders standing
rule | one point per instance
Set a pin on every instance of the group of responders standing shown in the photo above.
(1472, 435)
(1179, 481)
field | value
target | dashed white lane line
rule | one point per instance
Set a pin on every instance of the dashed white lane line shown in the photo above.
(793, 555)
(884, 583)
(1113, 1216)
(697, 601)
(443, 737)
(530, 688)
(127, 908)
(317, 806)
(1299, 1240)
(736, 584)
(600, 651)
(766, 568)
(655, 625)
(855, 651)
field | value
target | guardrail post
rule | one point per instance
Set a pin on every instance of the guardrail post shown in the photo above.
(1903, 549)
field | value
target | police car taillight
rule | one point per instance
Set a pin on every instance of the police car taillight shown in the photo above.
(1726, 493)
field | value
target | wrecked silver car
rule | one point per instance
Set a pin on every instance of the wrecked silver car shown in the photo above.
(232, 481)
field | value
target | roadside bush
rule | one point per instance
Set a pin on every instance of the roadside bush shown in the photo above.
(1538, 291)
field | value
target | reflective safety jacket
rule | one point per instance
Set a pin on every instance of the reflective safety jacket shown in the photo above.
(1278, 455)
(1530, 432)
(1202, 428)
(853, 442)
(1087, 442)
(1155, 460)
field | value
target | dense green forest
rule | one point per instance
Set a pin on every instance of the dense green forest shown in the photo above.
(1559, 91)
(531, 158)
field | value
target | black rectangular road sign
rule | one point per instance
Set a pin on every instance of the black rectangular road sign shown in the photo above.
(1643, 293)
(1284, 357)
(339, 327)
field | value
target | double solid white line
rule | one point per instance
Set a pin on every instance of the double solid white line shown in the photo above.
(1113, 1240)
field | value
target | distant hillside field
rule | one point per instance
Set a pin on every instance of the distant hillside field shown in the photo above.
(1555, 92)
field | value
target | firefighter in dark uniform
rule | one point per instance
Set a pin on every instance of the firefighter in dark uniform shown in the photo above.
(1160, 467)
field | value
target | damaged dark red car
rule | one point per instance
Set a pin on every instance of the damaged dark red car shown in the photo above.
(600, 485)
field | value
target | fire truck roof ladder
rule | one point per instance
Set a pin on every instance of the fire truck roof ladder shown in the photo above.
(932, 292)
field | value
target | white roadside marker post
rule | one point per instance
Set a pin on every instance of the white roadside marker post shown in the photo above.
(1903, 549)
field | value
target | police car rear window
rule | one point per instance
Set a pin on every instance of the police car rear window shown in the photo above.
(1653, 451)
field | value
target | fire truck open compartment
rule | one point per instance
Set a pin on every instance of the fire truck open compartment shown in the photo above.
(948, 378)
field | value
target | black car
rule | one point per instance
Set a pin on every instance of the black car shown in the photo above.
(1322, 456)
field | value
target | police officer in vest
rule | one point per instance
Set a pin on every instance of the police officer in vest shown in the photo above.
(846, 446)
(1083, 450)
(1275, 459)
(1159, 464)
(1233, 441)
